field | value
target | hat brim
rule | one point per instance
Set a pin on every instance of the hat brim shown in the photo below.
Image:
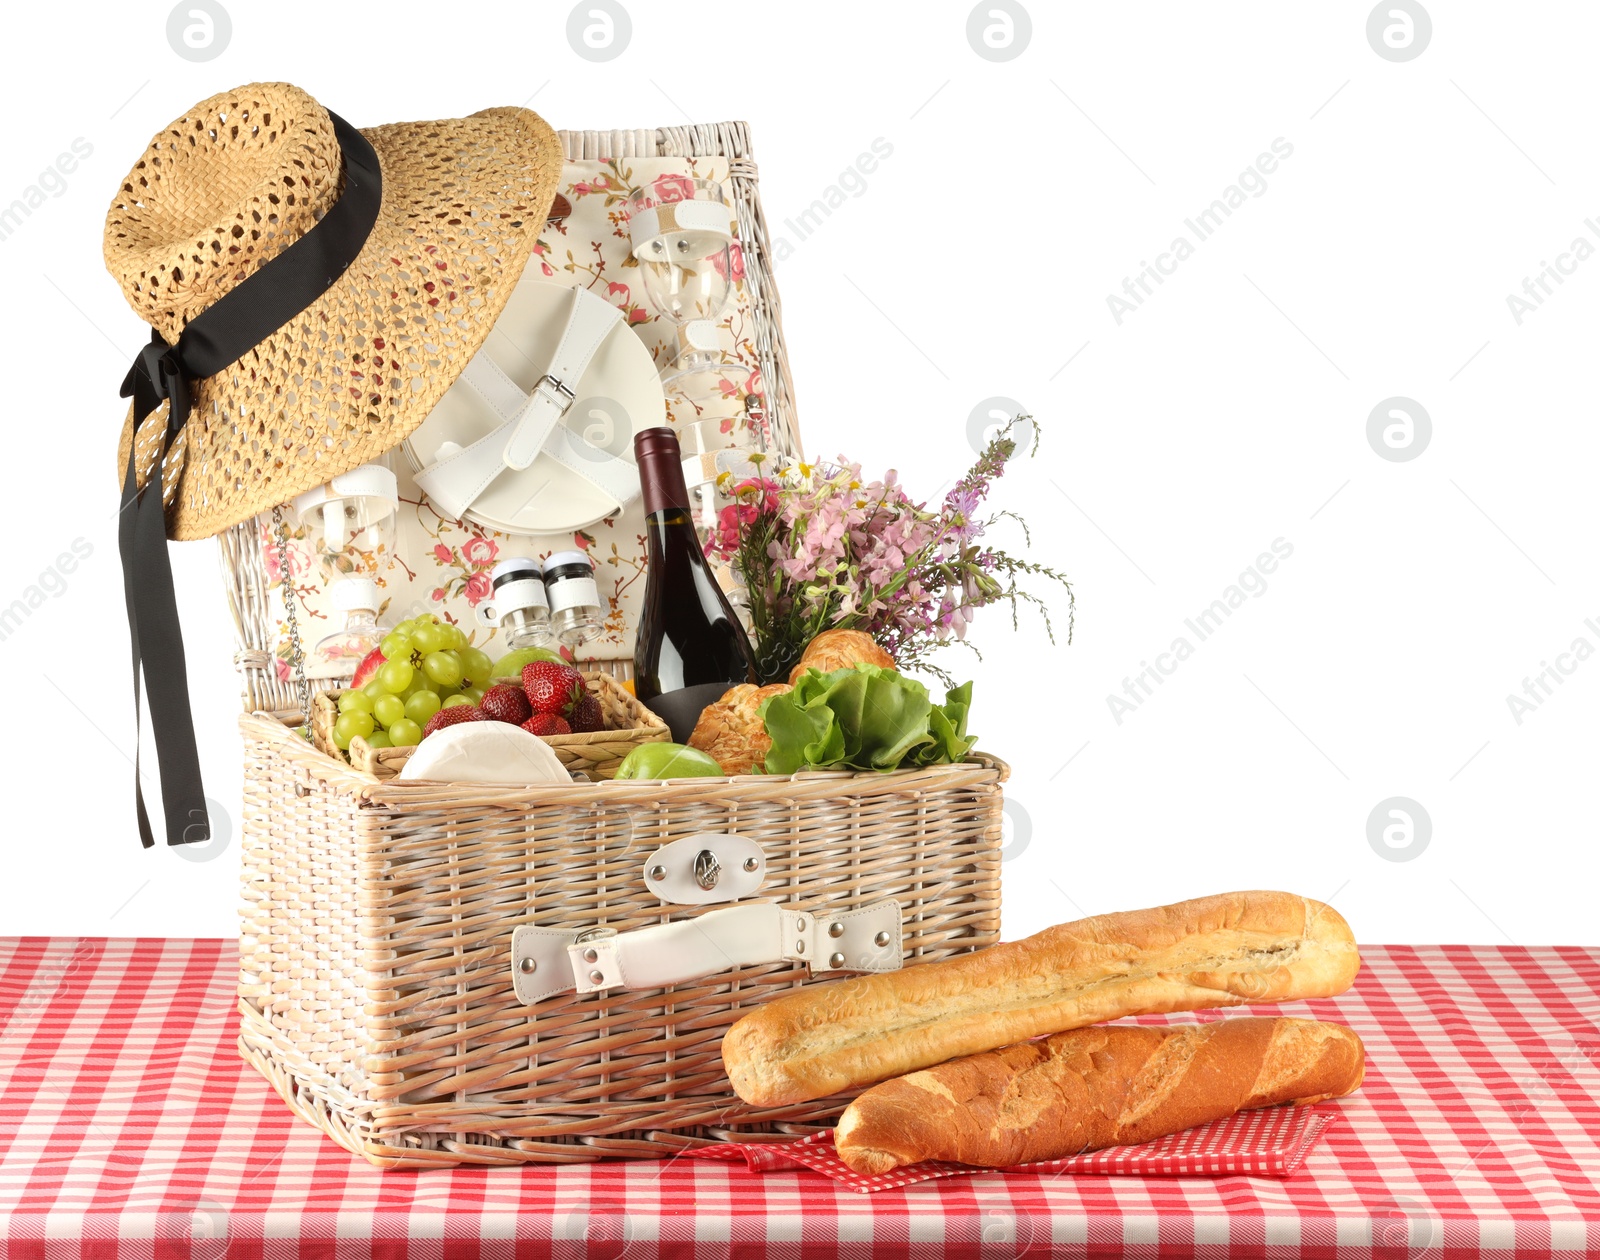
(357, 371)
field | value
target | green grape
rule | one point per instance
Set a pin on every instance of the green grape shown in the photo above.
(475, 665)
(454, 640)
(421, 706)
(389, 710)
(404, 733)
(340, 741)
(379, 739)
(428, 638)
(430, 618)
(510, 665)
(350, 725)
(455, 700)
(394, 676)
(374, 689)
(396, 646)
(442, 667)
(442, 690)
(355, 702)
(405, 627)
(474, 694)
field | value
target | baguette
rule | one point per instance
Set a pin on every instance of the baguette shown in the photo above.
(1080, 1091)
(1214, 951)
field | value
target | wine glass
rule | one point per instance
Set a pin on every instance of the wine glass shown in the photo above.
(351, 521)
(681, 233)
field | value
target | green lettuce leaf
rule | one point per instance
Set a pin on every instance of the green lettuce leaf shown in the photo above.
(864, 717)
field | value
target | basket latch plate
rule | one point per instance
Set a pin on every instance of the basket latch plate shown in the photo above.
(706, 868)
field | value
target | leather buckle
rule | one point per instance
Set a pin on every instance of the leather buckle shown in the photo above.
(555, 390)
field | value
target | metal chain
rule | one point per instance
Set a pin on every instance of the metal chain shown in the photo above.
(297, 656)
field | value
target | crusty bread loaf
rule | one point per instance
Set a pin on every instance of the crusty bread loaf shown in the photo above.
(1214, 951)
(1111, 1085)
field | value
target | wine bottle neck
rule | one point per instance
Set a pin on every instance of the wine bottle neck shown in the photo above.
(661, 482)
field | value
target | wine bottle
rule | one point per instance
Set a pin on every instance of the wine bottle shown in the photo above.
(690, 647)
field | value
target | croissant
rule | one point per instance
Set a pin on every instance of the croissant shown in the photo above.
(731, 730)
(835, 649)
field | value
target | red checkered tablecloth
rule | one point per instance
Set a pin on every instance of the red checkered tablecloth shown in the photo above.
(129, 1126)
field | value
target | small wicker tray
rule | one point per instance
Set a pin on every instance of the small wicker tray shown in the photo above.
(596, 753)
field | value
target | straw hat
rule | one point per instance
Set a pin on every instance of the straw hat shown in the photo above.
(233, 184)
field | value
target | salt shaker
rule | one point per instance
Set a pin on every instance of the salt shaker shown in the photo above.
(575, 613)
(518, 606)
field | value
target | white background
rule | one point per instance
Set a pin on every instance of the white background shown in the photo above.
(1228, 411)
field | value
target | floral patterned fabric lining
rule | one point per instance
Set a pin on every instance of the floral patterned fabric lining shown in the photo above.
(442, 565)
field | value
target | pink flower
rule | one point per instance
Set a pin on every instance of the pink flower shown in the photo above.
(477, 588)
(616, 287)
(283, 670)
(443, 554)
(299, 562)
(734, 263)
(439, 594)
(637, 315)
(674, 188)
(480, 553)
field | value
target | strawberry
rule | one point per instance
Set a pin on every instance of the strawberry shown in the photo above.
(546, 724)
(552, 688)
(587, 714)
(367, 668)
(506, 702)
(453, 716)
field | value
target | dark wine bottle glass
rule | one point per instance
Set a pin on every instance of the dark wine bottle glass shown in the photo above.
(690, 647)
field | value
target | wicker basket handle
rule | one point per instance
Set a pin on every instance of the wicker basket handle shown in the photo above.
(549, 961)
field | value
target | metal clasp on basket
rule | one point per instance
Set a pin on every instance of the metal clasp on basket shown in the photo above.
(706, 868)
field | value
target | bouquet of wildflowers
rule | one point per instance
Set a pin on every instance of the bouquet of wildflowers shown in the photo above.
(819, 547)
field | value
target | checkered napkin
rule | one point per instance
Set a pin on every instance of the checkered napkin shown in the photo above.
(1267, 1142)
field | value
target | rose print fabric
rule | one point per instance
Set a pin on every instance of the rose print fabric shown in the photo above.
(442, 565)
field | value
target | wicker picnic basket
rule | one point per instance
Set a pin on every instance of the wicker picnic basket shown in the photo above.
(382, 982)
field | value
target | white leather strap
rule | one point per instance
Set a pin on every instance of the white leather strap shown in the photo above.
(549, 961)
(653, 222)
(531, 422)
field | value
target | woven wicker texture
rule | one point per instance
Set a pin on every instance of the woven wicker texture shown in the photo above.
(232, 184)
(597, 754)
(375, 978)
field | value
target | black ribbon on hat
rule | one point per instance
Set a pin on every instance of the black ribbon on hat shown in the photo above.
(222, 334)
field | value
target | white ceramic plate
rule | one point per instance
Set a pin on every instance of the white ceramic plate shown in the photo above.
(619, 394)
